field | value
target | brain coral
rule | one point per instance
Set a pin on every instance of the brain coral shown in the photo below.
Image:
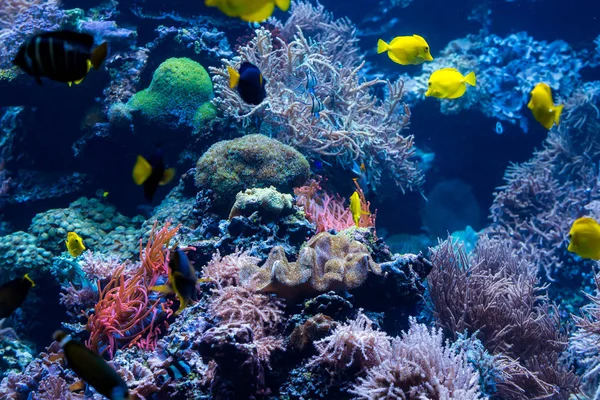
(231, 166)
(179, 95)
(327, 262)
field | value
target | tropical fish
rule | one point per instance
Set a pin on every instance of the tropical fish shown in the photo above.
(585, 238)
(249, 81)
(62, 56)
(182, 279)
(361, 172)
(356, 208)
(316, 106)
(177, 370)
(152, 173)
(74, 244)
(249, 10)
(13, 294)
(406, 50)
(542, 107)
(311, 81)
(448, 83)
(92, 368)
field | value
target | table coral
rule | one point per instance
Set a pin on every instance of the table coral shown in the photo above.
(326, 262)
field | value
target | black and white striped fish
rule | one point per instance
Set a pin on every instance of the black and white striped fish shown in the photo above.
(62, 56)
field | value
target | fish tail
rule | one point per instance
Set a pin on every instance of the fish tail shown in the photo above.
(471, 79)
(26, 276)
(283, 5)
(141, 171)
(382, 46)
(98, 55)
(557, 112)
(234, 77)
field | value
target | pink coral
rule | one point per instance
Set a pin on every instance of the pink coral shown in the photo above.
(125, 314)
(354, 345)
(224, 271)
(99, 266)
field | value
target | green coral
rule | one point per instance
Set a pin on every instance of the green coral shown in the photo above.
(253, 161)
(8, 75)
(179, 94)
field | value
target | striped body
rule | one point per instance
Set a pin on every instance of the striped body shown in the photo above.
(62, 56)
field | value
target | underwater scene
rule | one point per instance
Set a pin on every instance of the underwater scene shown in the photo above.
(297, 200)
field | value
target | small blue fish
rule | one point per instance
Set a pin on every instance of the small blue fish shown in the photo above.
(499, 128)
(316, 106)
(311, 81)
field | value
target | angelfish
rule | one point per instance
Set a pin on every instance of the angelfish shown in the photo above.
(63, 56)
(152, 173)
(92, 368)
(182, 279)
(13, 294)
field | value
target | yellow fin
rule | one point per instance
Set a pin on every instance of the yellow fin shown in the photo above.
(79, 81)
(382, 46)
(557, 112)
(168, 176)
(89, 65)
(162, 289)
(70, 84)
(234, 77)
(141, 171)
(98, 55)
(471, 79)
(283, 5)
(26, 276)
(261, 14)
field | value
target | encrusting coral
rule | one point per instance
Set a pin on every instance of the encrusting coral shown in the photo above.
(268, 202)
(326, 262)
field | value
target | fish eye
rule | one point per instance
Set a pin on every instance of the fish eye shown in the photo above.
(426, 48)
(428, 83)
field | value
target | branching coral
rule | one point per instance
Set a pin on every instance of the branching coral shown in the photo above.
(533, 211)
(355, 346)
(12, 8)
(354, 124)
(330, 212)
(496, 294)
(420, 367)
(126, 312)
(326, 262)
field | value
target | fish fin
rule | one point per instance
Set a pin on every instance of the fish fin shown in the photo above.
(26, 276)
(471, 79)
(77, 82)
(234, 77)
(141, 171)
(70, 84)
(211, 3)
(397, 59)
(557, 112)
(166, 289)
(382, 46)
(98, 55)
(167, 177)
(261, 14)
(283, 5)
(89, 65)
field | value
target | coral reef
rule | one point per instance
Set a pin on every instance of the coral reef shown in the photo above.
(179, 96)
(326, 262)
(268, 202)
(253, 161)
(354, 124)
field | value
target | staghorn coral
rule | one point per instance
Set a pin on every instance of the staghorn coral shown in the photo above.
(420, 366)
(355, 346)
(326, 262)
(354, 125)
(496, 294)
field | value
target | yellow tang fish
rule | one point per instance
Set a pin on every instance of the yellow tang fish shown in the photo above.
(74, 244)
(356, 208)
(448, 83)
(406, 50)
(542, 107)
(249, 10)
(585, 238)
